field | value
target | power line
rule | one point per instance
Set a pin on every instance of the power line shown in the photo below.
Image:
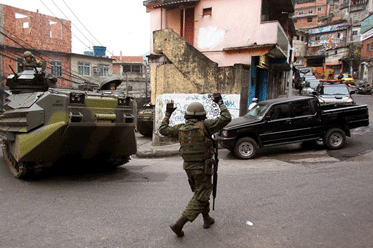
(81, 22)
(72, 22)
(64, 24)
(2, 54)
(70, 73)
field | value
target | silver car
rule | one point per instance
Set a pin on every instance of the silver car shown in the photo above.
(329, 93)
(310, 86)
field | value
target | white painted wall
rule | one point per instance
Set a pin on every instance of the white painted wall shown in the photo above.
(182, 101)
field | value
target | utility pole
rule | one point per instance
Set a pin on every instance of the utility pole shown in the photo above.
(350, 46)
(290, 81)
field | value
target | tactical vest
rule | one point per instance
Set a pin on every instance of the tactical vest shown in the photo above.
(194, 145)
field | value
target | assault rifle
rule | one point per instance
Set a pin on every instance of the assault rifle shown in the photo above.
(214, 139)
(215, 170)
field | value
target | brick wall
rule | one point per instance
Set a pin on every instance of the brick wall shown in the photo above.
(316, 14)
(367, 48)
(31, 29)
(47, 37)
(303, 22)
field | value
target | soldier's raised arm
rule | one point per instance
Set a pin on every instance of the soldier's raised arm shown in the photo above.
(164, 128)
(215, 125)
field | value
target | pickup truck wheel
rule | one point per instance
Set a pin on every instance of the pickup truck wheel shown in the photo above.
(246, 148)
(334, 138)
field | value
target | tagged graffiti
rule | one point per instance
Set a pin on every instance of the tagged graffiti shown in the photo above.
(182, 101)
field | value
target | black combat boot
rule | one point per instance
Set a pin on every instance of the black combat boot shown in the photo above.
(207, 221)
(179, 225)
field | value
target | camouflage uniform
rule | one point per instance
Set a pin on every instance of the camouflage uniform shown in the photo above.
(198, 172)
(32, 62)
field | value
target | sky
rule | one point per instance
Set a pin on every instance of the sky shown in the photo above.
(119, 25)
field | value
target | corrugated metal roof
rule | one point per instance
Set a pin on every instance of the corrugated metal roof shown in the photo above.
(175, 3)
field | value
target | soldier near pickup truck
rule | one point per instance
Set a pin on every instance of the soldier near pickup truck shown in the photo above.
(196, 148)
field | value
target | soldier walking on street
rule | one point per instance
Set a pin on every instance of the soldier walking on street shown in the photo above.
(196, 148)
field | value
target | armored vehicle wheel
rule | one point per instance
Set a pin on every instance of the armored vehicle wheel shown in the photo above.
(246, 148)
(334, 138)
(19, 170)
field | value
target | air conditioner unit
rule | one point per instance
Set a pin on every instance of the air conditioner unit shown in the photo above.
(95, 69)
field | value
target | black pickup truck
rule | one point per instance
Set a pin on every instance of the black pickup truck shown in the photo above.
(291, 120)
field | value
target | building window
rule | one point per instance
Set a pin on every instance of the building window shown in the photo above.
(84, 68)
(367, 47)
(136, 68)
(301, 12)
(133, 68)
(56, 68)
(207, 11)
(104, 70)
(126, 68)
(309, 19)
(355, 32)
(310, 11)
(319, 9)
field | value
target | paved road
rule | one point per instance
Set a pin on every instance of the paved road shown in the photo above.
(291, 201)
(289, 204)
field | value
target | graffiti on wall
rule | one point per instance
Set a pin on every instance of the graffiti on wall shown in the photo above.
(328, 41)
(181, 102)
(326, 29)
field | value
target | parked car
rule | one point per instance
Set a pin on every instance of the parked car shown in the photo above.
(291, 120)
(334, 92)
(310, 87)
(347, 78)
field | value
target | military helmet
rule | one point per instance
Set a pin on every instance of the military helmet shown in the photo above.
(27, 54)
(195, 110)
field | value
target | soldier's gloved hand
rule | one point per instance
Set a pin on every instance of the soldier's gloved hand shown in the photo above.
(170, 108)
(217, 98)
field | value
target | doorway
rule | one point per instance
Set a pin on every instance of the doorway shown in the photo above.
(187, 25)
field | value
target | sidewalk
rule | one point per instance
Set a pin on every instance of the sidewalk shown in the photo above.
(145, 149)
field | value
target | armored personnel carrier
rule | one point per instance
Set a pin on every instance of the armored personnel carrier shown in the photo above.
(42, 124)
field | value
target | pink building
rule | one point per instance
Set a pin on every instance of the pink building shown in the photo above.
(196, 36)
(227, 32)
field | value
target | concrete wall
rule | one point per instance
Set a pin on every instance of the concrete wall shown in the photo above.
(190, 71)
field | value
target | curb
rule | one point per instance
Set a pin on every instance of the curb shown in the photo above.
(157, 152)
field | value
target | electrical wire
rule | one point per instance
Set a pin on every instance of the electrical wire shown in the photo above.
(69, 73)
(66, 71)
(2, 54)
(65, 25)
(81, 22)
(71, 22)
